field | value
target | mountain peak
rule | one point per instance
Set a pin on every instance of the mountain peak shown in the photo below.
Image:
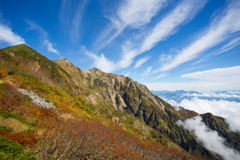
(62, 59)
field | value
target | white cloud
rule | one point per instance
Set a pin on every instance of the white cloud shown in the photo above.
(127, 56)
(43, 36)
(132, 13)
(7, 35)
(71, 14)
(34, 26)
(165, 58)
(184, 12)
(161, 76)
(198, 85)
(231, 43)
(226, 109)
(127, 74)
(221, 28)
(50, 47)
(213, 95)
(166, 27)
(138, 12)
(140, 62)
(236, 92)
(147, 71)
(215, 74)
(210, 139)
(101, 62)
(220, 79)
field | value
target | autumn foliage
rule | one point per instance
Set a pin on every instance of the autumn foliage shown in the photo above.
(84, 139)
(75, 138)
(3, 72)
(22, 138)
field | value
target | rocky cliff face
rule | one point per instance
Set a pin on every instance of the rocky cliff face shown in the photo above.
(120, 91)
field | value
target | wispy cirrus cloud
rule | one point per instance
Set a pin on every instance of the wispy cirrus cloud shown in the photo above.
(147, 71)
(7, 35)
(131, 13)
(183, 13)
(180, 15)
(221, 28)
(34, 26)
(71, 14)
(161, 76)
(230, 45)
(43, 36)
(50, 48)
(101, 62)
(107, 65)
(140, 62)
(127, 74)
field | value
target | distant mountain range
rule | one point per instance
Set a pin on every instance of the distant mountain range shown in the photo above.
(179, 95)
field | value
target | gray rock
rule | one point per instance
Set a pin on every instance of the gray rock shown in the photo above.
(38, 100)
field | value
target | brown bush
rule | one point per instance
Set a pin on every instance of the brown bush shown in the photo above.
(3, 72)
(22, 138)
(83, 139)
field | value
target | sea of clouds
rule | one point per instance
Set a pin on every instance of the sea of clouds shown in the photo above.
(230, 95)
(229, 110)
(219, 104)
(210, 139)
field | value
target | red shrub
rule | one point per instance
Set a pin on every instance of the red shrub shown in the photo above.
(22, 138)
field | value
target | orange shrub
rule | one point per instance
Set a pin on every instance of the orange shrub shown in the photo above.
(3, 72)
(22, 138)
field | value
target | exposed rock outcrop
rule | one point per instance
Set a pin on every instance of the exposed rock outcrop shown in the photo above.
(38, 100)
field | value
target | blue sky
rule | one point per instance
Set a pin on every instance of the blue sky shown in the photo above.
(164, 44)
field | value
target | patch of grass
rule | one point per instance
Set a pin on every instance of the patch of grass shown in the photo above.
(12, 72)
(91, 86)
(5, 129)
(14, 125)
(27, 78)
(2, 87)
(98, 82)
(6, 114)
(47, 100)
(28, 97)
(10, 150)
(86, 108)
(127, 80)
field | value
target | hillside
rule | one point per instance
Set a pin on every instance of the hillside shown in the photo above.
(90, 114)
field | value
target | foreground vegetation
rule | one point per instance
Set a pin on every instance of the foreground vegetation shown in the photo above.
(63, 135)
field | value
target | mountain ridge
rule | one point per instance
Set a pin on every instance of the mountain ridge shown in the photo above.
(109, 96)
